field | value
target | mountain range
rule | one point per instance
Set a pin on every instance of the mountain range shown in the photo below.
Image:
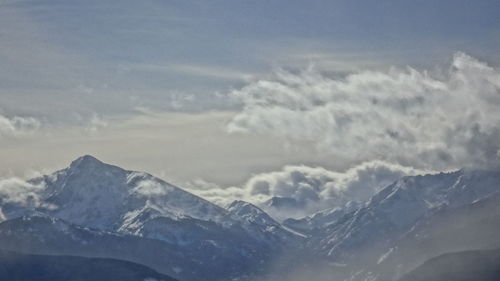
(96, 210)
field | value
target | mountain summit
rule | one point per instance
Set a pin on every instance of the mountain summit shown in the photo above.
(87, 160)
(98, 195)
(94, 195)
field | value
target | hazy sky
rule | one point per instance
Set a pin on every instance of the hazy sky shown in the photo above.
(212, 94)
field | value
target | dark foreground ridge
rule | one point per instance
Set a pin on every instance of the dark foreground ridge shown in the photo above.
(23, 267)
(462, 266)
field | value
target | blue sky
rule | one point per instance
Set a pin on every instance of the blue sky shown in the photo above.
(200, 45)
(165, 79)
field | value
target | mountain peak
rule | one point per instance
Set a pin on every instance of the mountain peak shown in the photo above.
(250, 212)
(86, 161)
(239, 204)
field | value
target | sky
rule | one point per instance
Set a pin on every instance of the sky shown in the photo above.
(312, 100)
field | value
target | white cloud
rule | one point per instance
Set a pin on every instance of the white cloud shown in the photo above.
(448, 119)
(17, 125)
(96, 123)
(20, 192)
(221, 196)
(216, 72)
(146, 186)
(311, 188)
(315, 188)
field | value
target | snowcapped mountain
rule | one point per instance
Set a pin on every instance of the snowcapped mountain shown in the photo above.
(283, 208)
(397, 208)
(94, 194)
(260, 224)
(199, 236)
(210, 259)
(95, 209)
(470, 227)
(250, 213)
(362, 239)
(320, 220)
(102, 196)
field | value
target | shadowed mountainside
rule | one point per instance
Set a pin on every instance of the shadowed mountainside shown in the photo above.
(461, 266)
(23, 267)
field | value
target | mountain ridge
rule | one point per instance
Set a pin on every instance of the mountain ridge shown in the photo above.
(27, 267)
(194, 237)
(478, 265)
(108, 199)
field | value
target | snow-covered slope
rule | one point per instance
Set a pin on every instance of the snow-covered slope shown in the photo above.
(201, 236)
(102, 196)
(397, 207)
(320, 220)
(191, 236)
(470, 227)
(361, 239)
(260, 225)
(250, 213)
(94, 194)
(223, 256)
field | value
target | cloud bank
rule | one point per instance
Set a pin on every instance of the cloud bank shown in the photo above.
(429, 120)
(304, 190)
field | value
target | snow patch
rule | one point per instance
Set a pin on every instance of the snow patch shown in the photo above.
(385, 256)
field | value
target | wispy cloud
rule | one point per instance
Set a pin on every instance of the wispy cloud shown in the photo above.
(20, 192)
(447, 119)
(17, 126)
(214, 71)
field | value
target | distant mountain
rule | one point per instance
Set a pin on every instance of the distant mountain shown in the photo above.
(321, 219)
(472, 226)
(102, 196)
(93, 209)
(282, 208)
(396, 208)
(198, 238)
(24, 267)
(259, 224)
(375, 241)
(250, 213)
(462, 266)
